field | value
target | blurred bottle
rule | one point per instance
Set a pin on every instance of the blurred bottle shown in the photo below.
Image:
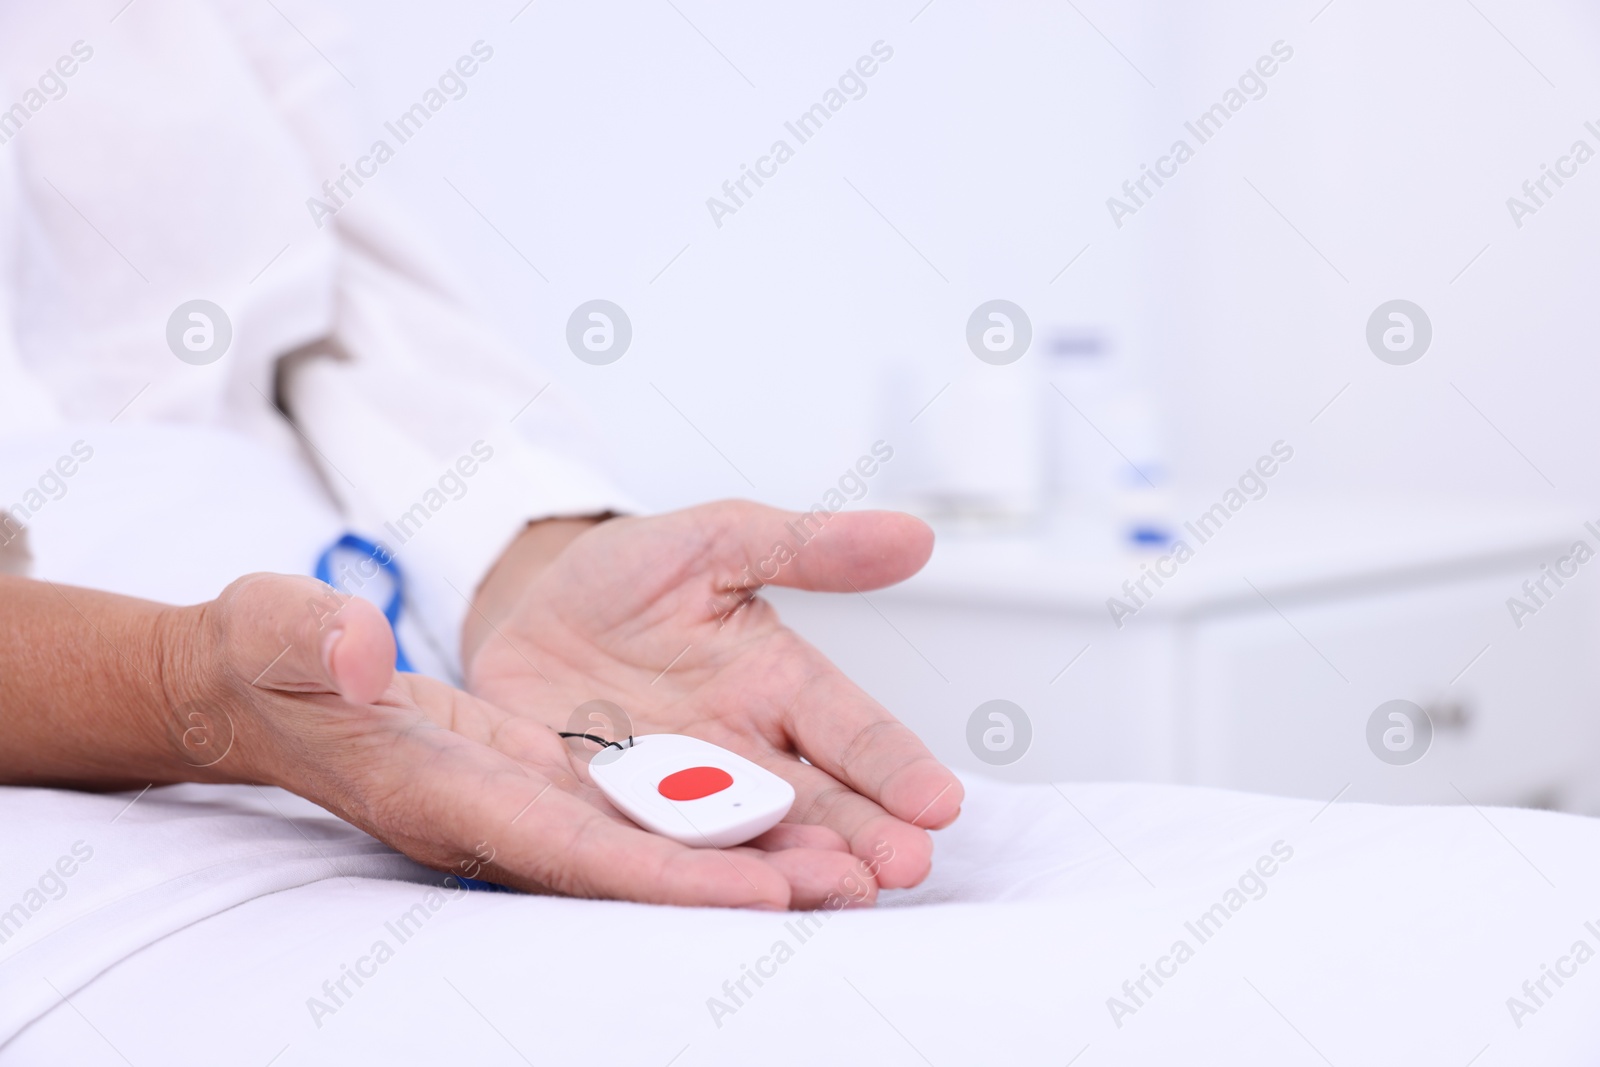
(1105, 457)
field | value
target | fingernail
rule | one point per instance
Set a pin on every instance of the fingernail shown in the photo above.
(328, 644)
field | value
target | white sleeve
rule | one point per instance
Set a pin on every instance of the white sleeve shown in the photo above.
(25, 404)
(412, 392)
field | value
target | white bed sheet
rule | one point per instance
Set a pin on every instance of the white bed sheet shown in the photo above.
(208, 917)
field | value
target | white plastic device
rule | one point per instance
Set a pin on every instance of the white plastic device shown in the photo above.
(690, 790)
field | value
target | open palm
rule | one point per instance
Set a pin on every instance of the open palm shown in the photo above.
(658, 616)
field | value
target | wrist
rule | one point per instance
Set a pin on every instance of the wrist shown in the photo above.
(502, 589)
(201, 720)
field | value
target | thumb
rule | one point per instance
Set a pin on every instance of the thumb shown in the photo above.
(298, 635)
(839, 552)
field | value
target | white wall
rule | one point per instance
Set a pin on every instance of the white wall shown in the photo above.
(991, 141)
(1391, 141)
(598, 133)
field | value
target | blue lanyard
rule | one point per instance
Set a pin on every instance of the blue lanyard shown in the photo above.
(360, 546)
(385, 561)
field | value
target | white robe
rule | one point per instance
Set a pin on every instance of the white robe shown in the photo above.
(179, 160)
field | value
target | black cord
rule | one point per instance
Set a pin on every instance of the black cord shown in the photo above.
(602, 742)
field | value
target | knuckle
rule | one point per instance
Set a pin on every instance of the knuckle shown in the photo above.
(870, 735)
(827, 802)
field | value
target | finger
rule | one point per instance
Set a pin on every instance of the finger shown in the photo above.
(787, 835)
(294, 634)
(854, 739)
(895, 852)
(601, 857)
(824, 879)
(815, 860)
(523, 739)
(472, 805)
(839, 552)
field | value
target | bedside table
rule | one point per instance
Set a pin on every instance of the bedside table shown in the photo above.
(1257, 664)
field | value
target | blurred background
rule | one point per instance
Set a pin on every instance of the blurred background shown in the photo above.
(977, 166)
(1158, 344)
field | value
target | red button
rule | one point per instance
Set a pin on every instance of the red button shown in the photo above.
(694, 783)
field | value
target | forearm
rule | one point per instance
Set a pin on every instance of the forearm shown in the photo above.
(86, 688)
(99, 691)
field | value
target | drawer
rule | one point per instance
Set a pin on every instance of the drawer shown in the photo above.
(1282, 706)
